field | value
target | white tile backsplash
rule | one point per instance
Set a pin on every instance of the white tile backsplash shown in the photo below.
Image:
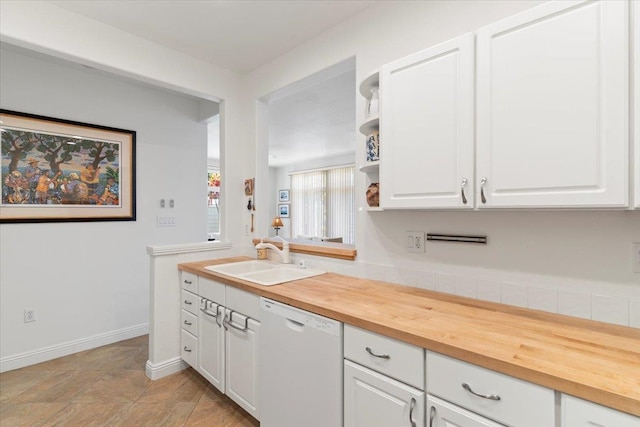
(634, 313)
(542, 299)
(446, 283)
(466, 287)
(514, 294)
(610, 309)
(574, 304)
(489, 290)
(555, 295)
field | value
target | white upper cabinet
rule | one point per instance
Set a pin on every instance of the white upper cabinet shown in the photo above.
(552, 107)
(426, 128)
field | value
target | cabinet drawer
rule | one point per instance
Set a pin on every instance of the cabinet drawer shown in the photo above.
(190, 302)
(189, 323)
(189, 349)
(211, 290)
(243, 302)
(399, 360)
(580, 413)
(189, 282)
(520, 403)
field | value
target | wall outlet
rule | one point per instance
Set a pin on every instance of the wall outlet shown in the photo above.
(635, 257)
(415, 241)
(167, 221)
(29, 315)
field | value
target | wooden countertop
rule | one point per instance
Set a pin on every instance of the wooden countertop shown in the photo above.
(595, 361)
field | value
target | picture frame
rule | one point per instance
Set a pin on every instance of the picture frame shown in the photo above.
(283, 196)
(56, 170)
(283, 210)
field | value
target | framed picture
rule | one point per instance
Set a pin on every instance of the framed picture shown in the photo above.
(283, 196)
(57, 170)
(283, 211)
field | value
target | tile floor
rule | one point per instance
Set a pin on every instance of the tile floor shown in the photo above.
(107, 386)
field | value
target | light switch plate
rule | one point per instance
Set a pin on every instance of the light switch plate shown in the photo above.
(415, 241)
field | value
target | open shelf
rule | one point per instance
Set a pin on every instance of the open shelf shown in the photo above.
(371, 124)
(370, 167)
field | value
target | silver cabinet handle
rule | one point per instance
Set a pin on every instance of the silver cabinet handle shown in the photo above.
(208, 313)
(188, 282)
(188, 350)
(484, 396)
(186, 322)
(219, 316)
(188, 302)
(381, 356)
(464, 183)
(432, 415)
(483, 181)
(412, 406)
(228, 321)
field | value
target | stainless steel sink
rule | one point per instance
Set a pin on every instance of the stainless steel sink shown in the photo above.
(264, 273)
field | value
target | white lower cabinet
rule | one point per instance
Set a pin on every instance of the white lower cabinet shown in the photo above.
(444, 414)
(211, 350)
(496, 396)
(242, 370)
(383, 381)
(580, 413)
(375, 400)
(220, 335)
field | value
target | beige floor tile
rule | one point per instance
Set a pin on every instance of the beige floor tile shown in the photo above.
(184, 386)
(136, 361)
(115, 386)
(60, 387)
(88, 415)
(141, 341)
(105, 358)
(28, 414)
(65, 363)
(13, 383)
(215, 409)
(165, 414)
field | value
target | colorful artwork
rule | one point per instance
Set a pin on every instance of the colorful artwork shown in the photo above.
(56, 170)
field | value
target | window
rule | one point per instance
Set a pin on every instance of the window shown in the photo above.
(323, 203)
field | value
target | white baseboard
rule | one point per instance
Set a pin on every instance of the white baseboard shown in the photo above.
(168, 367)
(28, 358)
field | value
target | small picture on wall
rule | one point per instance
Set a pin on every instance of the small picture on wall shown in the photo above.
(283, 196)
(283, 211)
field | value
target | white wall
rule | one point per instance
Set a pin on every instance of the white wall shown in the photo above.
(91, 279)
(573, 262)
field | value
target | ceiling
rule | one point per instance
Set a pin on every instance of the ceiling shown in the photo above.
(241, 35)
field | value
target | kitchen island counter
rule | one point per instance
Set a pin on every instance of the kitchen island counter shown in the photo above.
(595, 361)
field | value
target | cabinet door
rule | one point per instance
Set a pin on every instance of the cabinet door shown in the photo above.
(552, 107)
(426, 128)
(445, 414)
(211, 349)
(374, 400)
(242, 337)
(580, 413)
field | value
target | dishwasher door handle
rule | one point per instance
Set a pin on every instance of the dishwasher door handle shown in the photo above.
(292, 324)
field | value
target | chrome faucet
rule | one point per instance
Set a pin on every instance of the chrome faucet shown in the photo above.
(284, 252)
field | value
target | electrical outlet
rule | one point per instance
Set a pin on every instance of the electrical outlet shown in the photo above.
(29, 315)
(415, 241)
(635, 257)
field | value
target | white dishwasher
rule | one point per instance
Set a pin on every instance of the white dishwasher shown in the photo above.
(300, 368)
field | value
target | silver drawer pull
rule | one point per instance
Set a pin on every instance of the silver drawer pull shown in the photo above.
(484, 396)
(188, 282)
(186, 322)
(381, 356)
(188, 302)
(188, 350)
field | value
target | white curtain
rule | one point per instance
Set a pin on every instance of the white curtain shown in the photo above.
(323, 203)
